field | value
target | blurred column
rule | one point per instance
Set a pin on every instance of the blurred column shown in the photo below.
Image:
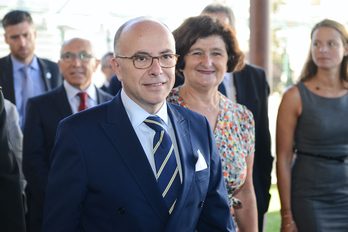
(259, 35)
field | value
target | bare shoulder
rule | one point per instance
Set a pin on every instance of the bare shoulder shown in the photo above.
(292, 100)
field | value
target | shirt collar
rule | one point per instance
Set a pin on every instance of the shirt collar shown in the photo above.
(18, 65)
(137, 114)
(71, 91)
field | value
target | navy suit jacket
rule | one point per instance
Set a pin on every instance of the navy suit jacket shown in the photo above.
(46, 66)
(11, 205)
(101, 180)
(44, 113)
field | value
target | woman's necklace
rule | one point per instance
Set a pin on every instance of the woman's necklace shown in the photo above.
(208, 108)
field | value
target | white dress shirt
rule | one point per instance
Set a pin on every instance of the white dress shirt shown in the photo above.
(230, 87)
(74, 100)
(137, 115)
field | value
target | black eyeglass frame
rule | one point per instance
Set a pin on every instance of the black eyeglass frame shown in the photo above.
(152, 58)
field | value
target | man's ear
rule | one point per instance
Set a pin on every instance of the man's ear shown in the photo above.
(5, 36)
(97, 62)
(59, 64)
(116, 67)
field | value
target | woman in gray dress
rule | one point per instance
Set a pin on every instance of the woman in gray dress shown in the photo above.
(312, 123)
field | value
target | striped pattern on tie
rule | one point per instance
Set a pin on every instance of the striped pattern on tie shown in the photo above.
(167, 171)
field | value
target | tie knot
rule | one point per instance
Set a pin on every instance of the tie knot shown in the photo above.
(26, 70)
(155, 123)
(83, 96)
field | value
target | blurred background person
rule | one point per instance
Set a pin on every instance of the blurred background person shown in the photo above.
(312, 122)
(249, 87)
(11, 204)
(77, 64)
(107, 69)
(15, 137)
(114, 86)
(208, 48)
(22, 74)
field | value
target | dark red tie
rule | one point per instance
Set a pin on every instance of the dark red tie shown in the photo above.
(83, 100)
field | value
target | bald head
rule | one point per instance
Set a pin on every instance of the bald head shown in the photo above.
(137, 24)
(76, 41)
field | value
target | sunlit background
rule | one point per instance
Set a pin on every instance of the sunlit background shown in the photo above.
(291, 22)
(290, 25)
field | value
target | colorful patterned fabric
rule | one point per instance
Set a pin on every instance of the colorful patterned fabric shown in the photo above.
(235, 137)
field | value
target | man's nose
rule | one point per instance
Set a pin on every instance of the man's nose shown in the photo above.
(22, 40)
(76, 61)
(155, 69)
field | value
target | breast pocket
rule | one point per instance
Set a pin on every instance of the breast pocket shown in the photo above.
(203, 174)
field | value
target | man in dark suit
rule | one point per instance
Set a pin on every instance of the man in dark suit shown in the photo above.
(105, 173)
(249, 87)
(44, 112)
(40, 75)
(107, 69)
(11, 205)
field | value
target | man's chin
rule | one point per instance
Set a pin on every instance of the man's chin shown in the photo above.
(22, 56)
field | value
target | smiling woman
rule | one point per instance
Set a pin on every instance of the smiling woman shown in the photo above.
(208, 48)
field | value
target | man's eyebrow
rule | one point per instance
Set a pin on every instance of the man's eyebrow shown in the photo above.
(141, 53)
(167, 51)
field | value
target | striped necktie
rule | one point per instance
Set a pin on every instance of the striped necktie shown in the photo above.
(167, 171)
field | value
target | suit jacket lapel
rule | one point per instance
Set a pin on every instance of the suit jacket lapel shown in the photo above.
(61, 101)
(188, 159)
(100, 97)
(8, 87)
(133, 155)
(239, 83)
(45, 74)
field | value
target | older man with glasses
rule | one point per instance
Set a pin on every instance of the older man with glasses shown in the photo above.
(77, 64)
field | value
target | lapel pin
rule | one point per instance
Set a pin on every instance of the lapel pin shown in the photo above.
(48, 75)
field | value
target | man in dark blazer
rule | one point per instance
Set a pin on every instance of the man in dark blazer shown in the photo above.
(44, 113)
(20, 35)
(103, 174)
(249, 87)
(11, 205)
(107, 70)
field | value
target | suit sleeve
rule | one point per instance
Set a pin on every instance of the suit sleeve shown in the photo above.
(15, 137)
(11, 205)
(67, 183)
(35, 163)
(216, 214)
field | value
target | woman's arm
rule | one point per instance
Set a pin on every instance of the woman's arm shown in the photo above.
(247, 215)
(289, 110)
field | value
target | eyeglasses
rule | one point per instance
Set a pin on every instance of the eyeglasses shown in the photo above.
(69, 57)
(145, 61)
